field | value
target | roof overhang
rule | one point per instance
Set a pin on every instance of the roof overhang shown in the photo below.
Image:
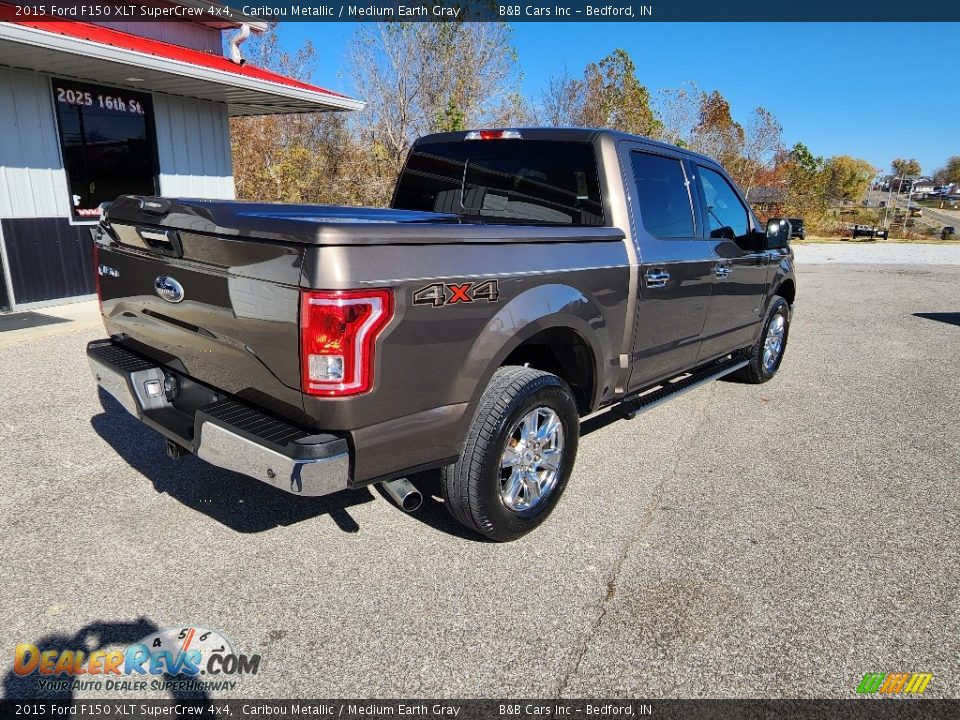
(97, 54)
(257, 24)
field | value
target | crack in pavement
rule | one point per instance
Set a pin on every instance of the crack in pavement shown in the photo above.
(645, 522)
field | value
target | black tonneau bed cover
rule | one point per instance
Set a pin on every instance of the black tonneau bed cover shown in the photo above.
(332, 224)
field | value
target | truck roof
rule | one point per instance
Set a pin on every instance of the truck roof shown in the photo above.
(566, 134)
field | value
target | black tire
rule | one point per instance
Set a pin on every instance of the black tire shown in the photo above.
(757, 371)
(471, 487)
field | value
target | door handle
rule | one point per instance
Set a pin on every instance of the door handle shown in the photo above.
(657, 278)
(722, 271)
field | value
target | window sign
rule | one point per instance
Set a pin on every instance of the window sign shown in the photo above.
(107, 141)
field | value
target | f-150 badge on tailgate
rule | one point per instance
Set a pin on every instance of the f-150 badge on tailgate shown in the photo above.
(168, 289)
(440, 294)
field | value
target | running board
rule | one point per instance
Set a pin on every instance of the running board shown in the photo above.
(651, 398)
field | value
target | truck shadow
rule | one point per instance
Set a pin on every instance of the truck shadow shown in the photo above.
(951, 318)
(241, 503)
(434, 512)
(90, 638)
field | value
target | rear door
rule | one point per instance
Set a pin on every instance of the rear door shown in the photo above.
(676, 266)
(741, 269)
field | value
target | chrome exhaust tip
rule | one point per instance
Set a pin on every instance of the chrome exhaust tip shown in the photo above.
(404, 494)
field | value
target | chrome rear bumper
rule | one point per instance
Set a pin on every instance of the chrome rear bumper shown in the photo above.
(225, 432)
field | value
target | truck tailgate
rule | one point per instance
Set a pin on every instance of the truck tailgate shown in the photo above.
(222, 311)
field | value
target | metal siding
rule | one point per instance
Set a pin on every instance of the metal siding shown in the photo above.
(193, 145)
(32, 180)
(49, 258)
(185, 34)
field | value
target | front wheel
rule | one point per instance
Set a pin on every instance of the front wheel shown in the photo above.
(518, 455)
(767, 353)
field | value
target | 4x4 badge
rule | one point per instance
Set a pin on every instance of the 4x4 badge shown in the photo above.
(440, 294)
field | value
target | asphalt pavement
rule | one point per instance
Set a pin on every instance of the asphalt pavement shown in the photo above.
(740, 541)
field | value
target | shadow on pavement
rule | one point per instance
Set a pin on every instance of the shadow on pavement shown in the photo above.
(434, 512)
(951, 318)
(599, 422)
(90, 638)
(241, 503)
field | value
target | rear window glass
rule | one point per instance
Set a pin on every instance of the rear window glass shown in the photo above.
(510, 181)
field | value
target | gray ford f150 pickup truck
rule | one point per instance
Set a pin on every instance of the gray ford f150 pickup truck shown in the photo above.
(521, 280)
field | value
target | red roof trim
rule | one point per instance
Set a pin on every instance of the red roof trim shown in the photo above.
(115, 38)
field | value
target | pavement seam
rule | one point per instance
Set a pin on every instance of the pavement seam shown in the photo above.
(644, 524)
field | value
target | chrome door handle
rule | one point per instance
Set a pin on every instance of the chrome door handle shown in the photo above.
(721, 271)
(657, 278)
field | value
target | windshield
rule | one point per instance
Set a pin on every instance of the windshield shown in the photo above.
(512, 181)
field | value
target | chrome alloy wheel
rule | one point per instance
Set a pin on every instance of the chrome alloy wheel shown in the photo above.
(773, 343)
(530, 464)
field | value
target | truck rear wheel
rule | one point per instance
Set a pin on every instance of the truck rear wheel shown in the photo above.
(518, 454)
(767, 353)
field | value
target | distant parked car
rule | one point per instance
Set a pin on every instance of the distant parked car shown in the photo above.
(948, 232)
(796, 228)
(883, 203)
(868, 231)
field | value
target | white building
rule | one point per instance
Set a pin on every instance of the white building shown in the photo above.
(91, 111)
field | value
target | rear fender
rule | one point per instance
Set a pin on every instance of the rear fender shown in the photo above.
(535, 310)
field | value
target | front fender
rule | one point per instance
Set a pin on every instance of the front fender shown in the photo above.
(532, 311)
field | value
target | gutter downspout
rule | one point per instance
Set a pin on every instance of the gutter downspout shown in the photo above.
(235, 42)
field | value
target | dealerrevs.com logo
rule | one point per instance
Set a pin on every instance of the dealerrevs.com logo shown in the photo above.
(172, 658)
(894, 683)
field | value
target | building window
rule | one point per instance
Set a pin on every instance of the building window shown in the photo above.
(108, 144)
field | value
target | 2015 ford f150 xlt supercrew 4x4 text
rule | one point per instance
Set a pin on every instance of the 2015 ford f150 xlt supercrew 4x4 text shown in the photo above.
(521, 280)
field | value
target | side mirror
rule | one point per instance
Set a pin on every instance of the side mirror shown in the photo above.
(778, 233)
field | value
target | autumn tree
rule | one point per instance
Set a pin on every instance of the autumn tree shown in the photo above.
(288, 157)
(950, 172)
(847, 178)
(562, 102)
(679, 109)
(609, 95)
(716, 133)
(416, 78)
(419, 78)
(901, 166)
(762, 146)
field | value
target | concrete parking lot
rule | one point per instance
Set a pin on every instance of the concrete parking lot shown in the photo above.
(741, 541)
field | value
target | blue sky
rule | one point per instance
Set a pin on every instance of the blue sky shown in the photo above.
(840, 88)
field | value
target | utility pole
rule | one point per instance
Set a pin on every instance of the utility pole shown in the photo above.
(886, 208)
(906, 217)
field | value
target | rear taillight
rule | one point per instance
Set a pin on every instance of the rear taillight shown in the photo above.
(338, 335)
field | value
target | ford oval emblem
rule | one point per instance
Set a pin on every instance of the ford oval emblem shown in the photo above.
(168, 289)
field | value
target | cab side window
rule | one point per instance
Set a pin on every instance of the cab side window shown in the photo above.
(726, 215)
(663, 195)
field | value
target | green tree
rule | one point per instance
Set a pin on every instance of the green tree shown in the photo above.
(805, 191)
